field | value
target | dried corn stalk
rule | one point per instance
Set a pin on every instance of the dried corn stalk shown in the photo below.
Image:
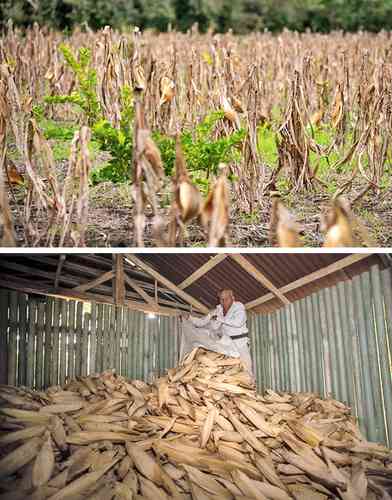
(75, 192)
(7, 238)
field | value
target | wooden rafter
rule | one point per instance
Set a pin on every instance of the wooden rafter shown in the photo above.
(14, 282)
(58, 270)
(188, 298)
(91, 284)
(147, 298)
(84, 268)
(320, 273)
(13, 266)
(81, 269)
(259, 276)
(210, 264)
(25, 286)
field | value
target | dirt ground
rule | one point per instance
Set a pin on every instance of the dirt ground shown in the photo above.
(111, 219)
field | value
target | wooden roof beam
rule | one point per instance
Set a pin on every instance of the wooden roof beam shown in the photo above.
(92, 284)
(259, 276)
(78, 268)
(25, 286)
(147, 298)
(305, 280)
(210, 264)
(188, 298)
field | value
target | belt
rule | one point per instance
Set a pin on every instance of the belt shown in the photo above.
(242, 336)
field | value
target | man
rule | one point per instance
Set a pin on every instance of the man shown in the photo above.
(223, 330)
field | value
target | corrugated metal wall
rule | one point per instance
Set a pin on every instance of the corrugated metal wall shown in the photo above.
(50, 340)
(337, 341)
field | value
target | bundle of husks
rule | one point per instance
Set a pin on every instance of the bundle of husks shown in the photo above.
(200, 432)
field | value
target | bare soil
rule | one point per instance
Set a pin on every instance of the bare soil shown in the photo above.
(111, 218)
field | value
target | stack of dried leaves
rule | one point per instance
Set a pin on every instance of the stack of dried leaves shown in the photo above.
(200, 432)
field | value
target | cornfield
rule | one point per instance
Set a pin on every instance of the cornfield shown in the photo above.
(317, 116)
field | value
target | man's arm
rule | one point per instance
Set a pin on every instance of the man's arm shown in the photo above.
(203, 321)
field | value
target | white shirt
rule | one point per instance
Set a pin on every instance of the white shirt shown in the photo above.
(233, 323)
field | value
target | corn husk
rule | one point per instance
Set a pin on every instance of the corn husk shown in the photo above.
(87, 437)
(44, 464)
(199, 430)
(167, 88)
(207, 427)
(28, 432)
(79, 486)
(19, 457)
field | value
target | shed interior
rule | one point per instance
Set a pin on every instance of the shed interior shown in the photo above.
(318, 322)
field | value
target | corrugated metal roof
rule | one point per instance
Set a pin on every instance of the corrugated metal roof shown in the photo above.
(280, 269)
(227, 274)
(178, 268)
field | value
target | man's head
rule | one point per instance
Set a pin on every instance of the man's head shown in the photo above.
(226, 298)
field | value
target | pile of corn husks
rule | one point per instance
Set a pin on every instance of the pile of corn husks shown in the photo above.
(200, 432)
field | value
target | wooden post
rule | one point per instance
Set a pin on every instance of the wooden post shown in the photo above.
(118, 280)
